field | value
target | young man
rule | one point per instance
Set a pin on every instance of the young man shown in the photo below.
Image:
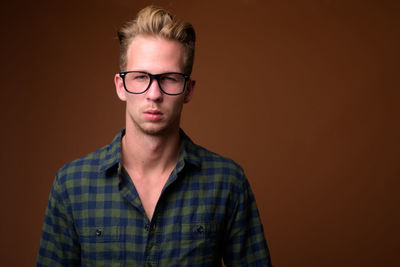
(152, 197)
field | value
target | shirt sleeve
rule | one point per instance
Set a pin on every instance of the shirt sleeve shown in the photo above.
(59, 244)
(245, 241)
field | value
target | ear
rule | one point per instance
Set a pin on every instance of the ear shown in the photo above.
(189, 91)
(119, 87)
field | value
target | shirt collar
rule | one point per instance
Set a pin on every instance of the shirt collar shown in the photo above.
(113, 152)
(188, 152)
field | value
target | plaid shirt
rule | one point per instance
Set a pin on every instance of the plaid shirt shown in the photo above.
(206, 212)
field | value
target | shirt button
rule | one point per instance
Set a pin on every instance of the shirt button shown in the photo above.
(200, 229)
(98, 232)
(149, 227)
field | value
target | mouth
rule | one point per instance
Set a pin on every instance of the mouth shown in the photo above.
(153, 114)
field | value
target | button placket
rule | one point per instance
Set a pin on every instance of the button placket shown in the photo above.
(152, 247)
(149, 227)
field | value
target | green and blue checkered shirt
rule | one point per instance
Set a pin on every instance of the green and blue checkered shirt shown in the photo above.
(206, 212)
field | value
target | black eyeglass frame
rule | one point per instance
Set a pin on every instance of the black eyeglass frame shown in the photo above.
(156, 77)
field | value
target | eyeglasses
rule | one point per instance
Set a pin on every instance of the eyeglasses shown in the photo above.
(138, 82)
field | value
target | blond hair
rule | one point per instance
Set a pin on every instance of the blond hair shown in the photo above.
(156, 21)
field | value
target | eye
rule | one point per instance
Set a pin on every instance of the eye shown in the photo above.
(140, 77)
(137, 77)
(171, 78)
(168, 79)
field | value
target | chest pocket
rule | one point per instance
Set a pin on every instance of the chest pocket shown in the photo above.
(198, 243)
(198, 231)
(101, 244)
(100, 234)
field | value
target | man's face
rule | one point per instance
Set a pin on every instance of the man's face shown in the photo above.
(154, 112)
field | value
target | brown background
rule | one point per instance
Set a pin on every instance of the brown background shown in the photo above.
(304, 94)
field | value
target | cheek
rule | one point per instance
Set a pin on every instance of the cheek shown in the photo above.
(131, 103)
(174, 107)
(178, 108)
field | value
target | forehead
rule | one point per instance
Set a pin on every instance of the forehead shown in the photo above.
(155, 54)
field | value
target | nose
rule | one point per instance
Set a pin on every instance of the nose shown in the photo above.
(154, 92)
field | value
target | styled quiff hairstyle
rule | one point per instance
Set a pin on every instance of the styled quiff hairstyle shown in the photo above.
(154, 21)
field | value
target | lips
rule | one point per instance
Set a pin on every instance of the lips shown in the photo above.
(153, 114)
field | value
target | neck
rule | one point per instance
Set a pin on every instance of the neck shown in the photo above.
(147, 154)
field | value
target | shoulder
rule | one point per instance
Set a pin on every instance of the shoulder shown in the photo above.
(215, 168)
(91, 165)
(211, 158)
(200, 155)
(89, 162)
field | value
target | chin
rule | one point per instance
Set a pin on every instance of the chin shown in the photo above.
(153, 132)
(156, 130)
